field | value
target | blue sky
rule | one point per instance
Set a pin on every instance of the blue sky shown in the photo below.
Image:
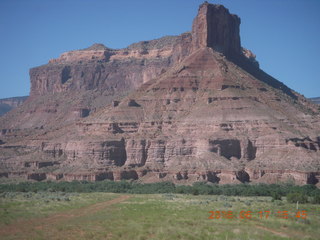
(284, 34)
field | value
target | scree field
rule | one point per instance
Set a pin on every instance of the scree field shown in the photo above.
(60, 215)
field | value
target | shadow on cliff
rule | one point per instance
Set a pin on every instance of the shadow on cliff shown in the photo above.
(259, 74)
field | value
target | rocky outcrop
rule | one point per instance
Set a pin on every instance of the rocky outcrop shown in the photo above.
(216, 28)
(101, 68)
(8, 104)
(190, 108)
(80, 82)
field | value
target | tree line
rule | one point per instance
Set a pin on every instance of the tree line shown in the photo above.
(303, 194)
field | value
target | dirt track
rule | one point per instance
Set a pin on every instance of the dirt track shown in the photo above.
(27, 226)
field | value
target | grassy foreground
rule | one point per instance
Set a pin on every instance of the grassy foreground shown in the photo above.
(58, 215)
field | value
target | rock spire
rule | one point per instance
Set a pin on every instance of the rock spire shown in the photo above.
(216, 28)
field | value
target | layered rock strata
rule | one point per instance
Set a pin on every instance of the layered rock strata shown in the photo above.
(7, 104)
(190, 108)
(78, 83)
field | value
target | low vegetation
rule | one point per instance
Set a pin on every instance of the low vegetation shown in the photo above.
(302, 194)
(61, 215)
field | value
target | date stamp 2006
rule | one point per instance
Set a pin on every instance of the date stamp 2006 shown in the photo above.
(258, 214)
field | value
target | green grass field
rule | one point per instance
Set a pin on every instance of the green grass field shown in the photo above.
(54, 215)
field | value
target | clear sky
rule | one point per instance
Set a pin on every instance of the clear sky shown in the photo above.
(284, 34)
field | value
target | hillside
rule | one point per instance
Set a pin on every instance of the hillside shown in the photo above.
(7, 104)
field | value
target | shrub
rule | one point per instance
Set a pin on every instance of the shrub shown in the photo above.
(276, 191)
(227, 205)
(297, 197)
(316, 199)
(195, 191)
(275, 196)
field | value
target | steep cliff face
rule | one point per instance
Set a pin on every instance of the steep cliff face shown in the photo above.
(101, 68)
(216, 28)
(204, 112)
(91, 78)
(78, 83)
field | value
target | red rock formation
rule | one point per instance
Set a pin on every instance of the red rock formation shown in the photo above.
(198, 109)
(8, 104)
(92, 78)
(216, 28)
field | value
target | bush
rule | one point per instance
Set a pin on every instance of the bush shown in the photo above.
(297, 197)
(276, 191)
(275, 196)
(227, 205)
(316, 199)
(195, 192)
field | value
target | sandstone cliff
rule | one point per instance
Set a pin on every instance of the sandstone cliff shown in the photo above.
(195, 107)
(80, 82)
